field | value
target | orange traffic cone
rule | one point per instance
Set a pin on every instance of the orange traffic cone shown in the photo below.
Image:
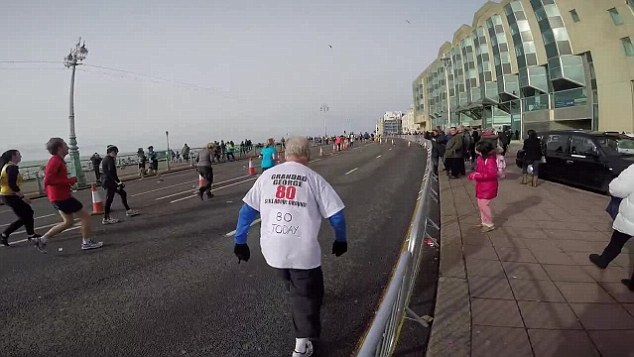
(409, 143)
(251, 168)
(201, 181)
(97, 201)
(321, 151)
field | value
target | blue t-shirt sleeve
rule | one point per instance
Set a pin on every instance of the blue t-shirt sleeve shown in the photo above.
(245, 218)
(338, 223)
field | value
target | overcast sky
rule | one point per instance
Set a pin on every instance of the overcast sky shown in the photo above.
(210, 70)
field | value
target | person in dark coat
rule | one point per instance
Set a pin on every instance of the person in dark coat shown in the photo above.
(453, 154)
(95, 159)
(112, 184)
(532, 156)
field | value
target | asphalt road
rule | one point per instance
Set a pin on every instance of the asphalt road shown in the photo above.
(166, 282)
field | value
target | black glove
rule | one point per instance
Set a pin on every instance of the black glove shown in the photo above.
(338, 248)
(242, 252)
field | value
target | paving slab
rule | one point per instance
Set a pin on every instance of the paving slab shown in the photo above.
(528, 287)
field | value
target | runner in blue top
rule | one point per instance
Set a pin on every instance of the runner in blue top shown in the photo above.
(268, 155)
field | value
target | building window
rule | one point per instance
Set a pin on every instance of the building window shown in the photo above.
(616, 18)
(575, 16)
(627, 46)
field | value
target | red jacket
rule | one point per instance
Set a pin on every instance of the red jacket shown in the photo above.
(56, 181)
(486, 177)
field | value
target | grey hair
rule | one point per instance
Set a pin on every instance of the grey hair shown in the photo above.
(53, 145)
(298, 146)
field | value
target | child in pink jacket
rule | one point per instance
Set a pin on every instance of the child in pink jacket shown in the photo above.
(486, 178)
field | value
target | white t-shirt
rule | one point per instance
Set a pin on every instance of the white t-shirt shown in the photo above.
(292, 200)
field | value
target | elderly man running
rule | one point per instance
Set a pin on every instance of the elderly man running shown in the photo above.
(292, 200)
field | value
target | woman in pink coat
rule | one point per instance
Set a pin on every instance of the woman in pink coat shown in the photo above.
(486, 178)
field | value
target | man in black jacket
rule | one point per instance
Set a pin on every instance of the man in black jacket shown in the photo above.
(532, 156)
(112, 185)
(95, 159)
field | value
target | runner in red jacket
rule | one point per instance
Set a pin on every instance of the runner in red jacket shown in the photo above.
(57, 185)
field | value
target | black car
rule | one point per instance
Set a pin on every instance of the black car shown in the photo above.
(587, 159)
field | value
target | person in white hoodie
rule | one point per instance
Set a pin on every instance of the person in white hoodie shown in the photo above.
(621, 187)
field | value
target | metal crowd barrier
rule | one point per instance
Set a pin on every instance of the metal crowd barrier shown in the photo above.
(382, 336)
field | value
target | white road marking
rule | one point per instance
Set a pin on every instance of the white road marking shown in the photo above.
(48, 215)
(26, 240)
(214, 190)
(252, 224)
(5, 211)
(378, 157)
(314, 160)
(351, 171)
(390, 149)
(158, 189)
(186, 183)
(190, 190)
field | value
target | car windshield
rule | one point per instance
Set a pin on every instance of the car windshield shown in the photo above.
(621, 145)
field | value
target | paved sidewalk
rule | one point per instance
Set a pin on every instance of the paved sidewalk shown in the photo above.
(527, 288)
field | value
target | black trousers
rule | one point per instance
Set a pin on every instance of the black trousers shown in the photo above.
(455, 166)
(306, 293)
(97, 173)
(615, 246)
(24, 212)
(208, 173)
(110, 191)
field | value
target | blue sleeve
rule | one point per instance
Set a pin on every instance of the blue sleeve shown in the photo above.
(246, 217)
(338, 223)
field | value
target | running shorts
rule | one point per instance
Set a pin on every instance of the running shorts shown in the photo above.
(68, 206)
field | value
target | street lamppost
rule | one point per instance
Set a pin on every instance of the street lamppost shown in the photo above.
(446, 61)
(169, 152)
(324, 108)
(74, 59)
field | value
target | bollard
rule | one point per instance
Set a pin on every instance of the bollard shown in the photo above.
(251, 168)
(97, 201)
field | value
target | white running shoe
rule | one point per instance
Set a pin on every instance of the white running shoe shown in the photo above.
(132, 213)
(308, 351)
(109, 221)
(91, 245)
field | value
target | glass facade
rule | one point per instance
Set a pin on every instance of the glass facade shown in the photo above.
(616, 17)
(565, 69)
(627, 46)
(483, 85)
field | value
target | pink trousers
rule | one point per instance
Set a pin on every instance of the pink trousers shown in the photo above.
(485, 212)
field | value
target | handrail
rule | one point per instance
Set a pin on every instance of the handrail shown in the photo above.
(382, 335)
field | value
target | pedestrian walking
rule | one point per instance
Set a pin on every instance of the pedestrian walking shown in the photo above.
(532, 157)
(142, 161)
(268, 155)
(185, 152)
(435, 150)
(112, 184)
(154, 163)
(204, 159)
(292, 200)
(486, 178)
(95, 160)
(57, 185)
(12, 195)
(230, 149)
(453, 154)
(623, 225)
